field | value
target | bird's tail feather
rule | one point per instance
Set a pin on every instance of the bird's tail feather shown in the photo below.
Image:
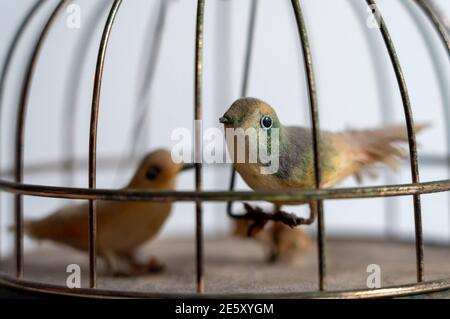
(385, 146)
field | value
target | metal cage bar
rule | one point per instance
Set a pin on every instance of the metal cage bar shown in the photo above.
(432, 13)
(20, 134)
(6, 67)
(411, 137)
(434, 16)
(143, 107)
(385, 94)
(93, 140)
(198, 143)
(92, 193)
(311, 82)
(287, 196)
(147, 84)
(72, 90)
(392, 291)
(244, 84)
(438, 69)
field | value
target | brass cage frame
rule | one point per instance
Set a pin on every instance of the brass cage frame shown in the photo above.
(91, 194)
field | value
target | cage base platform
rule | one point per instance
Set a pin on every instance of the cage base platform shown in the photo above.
(234, 266)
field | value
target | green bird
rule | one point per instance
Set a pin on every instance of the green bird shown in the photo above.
(343, 154)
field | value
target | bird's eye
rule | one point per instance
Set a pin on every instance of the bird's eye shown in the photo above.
(153, 173)
(266, 122)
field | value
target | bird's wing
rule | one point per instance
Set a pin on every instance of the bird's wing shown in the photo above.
(337, 158)
(295, 161)
(352, 152)
(340, 157)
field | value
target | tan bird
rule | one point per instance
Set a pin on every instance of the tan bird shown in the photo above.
(352, 152)
(121, 226)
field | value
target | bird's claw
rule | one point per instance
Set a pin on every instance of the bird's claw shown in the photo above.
(256, 227)
(154, 266)
(288, 219)
(253, 211)
(260, 219)
(122, 274)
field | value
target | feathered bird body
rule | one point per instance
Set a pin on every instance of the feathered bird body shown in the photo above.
(352, 152)
(116, 232)
(343, 154)
(121, 226)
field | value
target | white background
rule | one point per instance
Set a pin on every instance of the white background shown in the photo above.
(347, 69)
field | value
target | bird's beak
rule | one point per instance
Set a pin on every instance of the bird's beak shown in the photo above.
(224, 120)
(186, 167)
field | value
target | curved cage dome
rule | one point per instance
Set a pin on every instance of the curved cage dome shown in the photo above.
(87, 88)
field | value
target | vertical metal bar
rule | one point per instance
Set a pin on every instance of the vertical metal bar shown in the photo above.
(431, 11)
(439, 71)
(140, 122)
(385, 95)
(434, 15)
(93, 140)
(6, 67)
(72, 91)
(198, 141)
(12, 48)
(20, 135)
(245, 80)
(307, 57)
(411, 138)
(223, 88)
(149, 76)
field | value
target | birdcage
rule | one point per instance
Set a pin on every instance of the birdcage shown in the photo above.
(198, 196)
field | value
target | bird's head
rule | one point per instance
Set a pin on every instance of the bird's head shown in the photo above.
(250, 113)
(157, 170)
